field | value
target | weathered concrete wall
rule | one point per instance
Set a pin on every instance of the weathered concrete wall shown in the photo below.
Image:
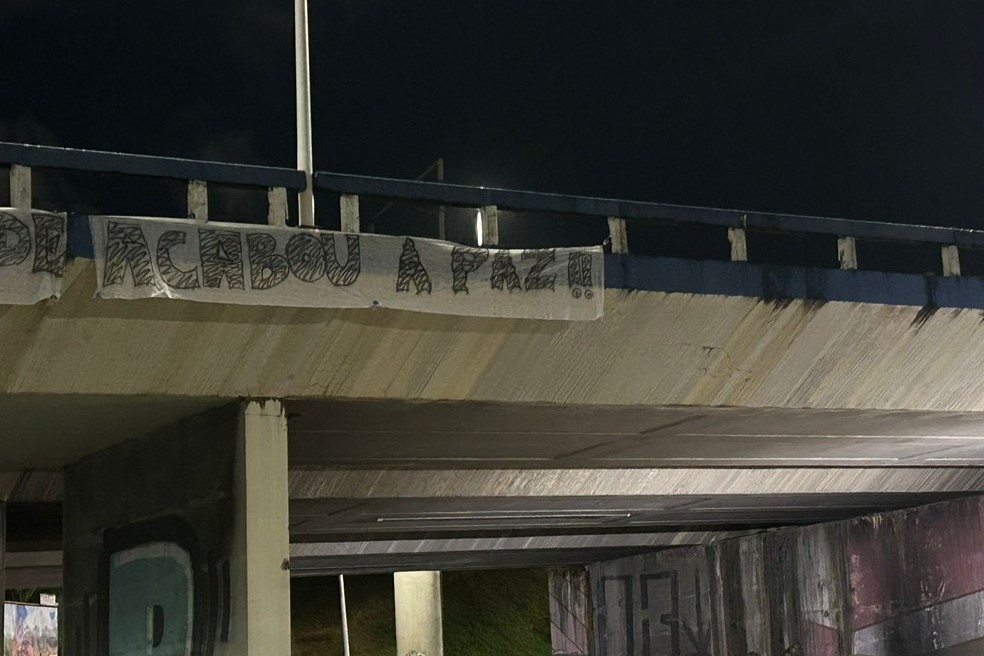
(651, 348)
(570, 611)
(904, 583)
(148, 532)
(654, 604)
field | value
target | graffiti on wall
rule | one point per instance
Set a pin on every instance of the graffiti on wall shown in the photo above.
(656, 608)
(151, 600)
(148, 569)
(904, 583)
(938, 605)
(166, 596)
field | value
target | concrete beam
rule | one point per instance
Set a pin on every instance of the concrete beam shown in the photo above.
(527, 483)
(33, 569)
(322, 558)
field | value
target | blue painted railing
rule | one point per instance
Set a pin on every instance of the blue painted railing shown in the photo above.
(280, 182)
(99, 161)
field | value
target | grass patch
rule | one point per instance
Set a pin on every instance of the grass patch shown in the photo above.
(486, 613)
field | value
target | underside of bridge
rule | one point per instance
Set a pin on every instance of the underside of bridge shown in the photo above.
(389, 484)
(652, 441)
(601, 495)
(397, 485)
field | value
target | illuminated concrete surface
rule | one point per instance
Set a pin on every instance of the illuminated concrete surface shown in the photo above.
(680, 417)
(650, 349)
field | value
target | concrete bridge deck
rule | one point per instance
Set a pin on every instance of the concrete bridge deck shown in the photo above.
(712, 400)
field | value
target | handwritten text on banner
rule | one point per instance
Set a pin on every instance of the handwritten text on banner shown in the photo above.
(254, 265)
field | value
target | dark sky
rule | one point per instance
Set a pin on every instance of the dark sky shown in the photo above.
(861, 108)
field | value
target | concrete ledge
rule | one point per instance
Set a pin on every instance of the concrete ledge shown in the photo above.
(650, 349)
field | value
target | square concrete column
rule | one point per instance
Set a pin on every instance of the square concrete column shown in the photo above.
(419, 628)
(177, 543)
(260, 554)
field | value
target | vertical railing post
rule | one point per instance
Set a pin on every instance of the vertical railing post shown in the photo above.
(951, 260)
(618, 235)
(198, 200)
(739, 246)
(277, 206)
(847, 253)
(490, 225)
(442, 227)
(348, 205)
(20, 186)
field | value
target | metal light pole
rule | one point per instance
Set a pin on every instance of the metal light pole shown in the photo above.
(305, 157)
(345, 633)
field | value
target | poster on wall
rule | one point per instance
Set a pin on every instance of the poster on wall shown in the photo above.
(295, 267)
(30, 630)
(32, 255)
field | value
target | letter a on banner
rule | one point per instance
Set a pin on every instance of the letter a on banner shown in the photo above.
(32, 255)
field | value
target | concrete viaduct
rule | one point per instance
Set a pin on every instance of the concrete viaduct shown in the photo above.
(729, 462)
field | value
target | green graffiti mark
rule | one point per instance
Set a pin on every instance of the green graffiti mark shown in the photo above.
(150, 601)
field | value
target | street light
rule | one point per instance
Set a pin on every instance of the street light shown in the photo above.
(302, 84)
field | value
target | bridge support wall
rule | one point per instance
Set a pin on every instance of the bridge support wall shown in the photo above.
(902, 583)
(178, 543)
(570, 611)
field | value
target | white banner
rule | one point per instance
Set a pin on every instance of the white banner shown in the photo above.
(260, 265)
(32, 255)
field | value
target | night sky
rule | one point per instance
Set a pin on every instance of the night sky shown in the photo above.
(864, 109)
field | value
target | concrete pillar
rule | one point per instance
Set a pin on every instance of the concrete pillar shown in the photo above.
(177, 543)
(260, 551)
(419, 630)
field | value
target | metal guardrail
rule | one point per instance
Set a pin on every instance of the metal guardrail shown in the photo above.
(279, 181)
(619, 211)
(197, 173)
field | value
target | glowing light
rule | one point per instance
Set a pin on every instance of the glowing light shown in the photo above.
(478, 227)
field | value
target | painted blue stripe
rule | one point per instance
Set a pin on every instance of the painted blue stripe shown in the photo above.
(79, 237)
(674, 275)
